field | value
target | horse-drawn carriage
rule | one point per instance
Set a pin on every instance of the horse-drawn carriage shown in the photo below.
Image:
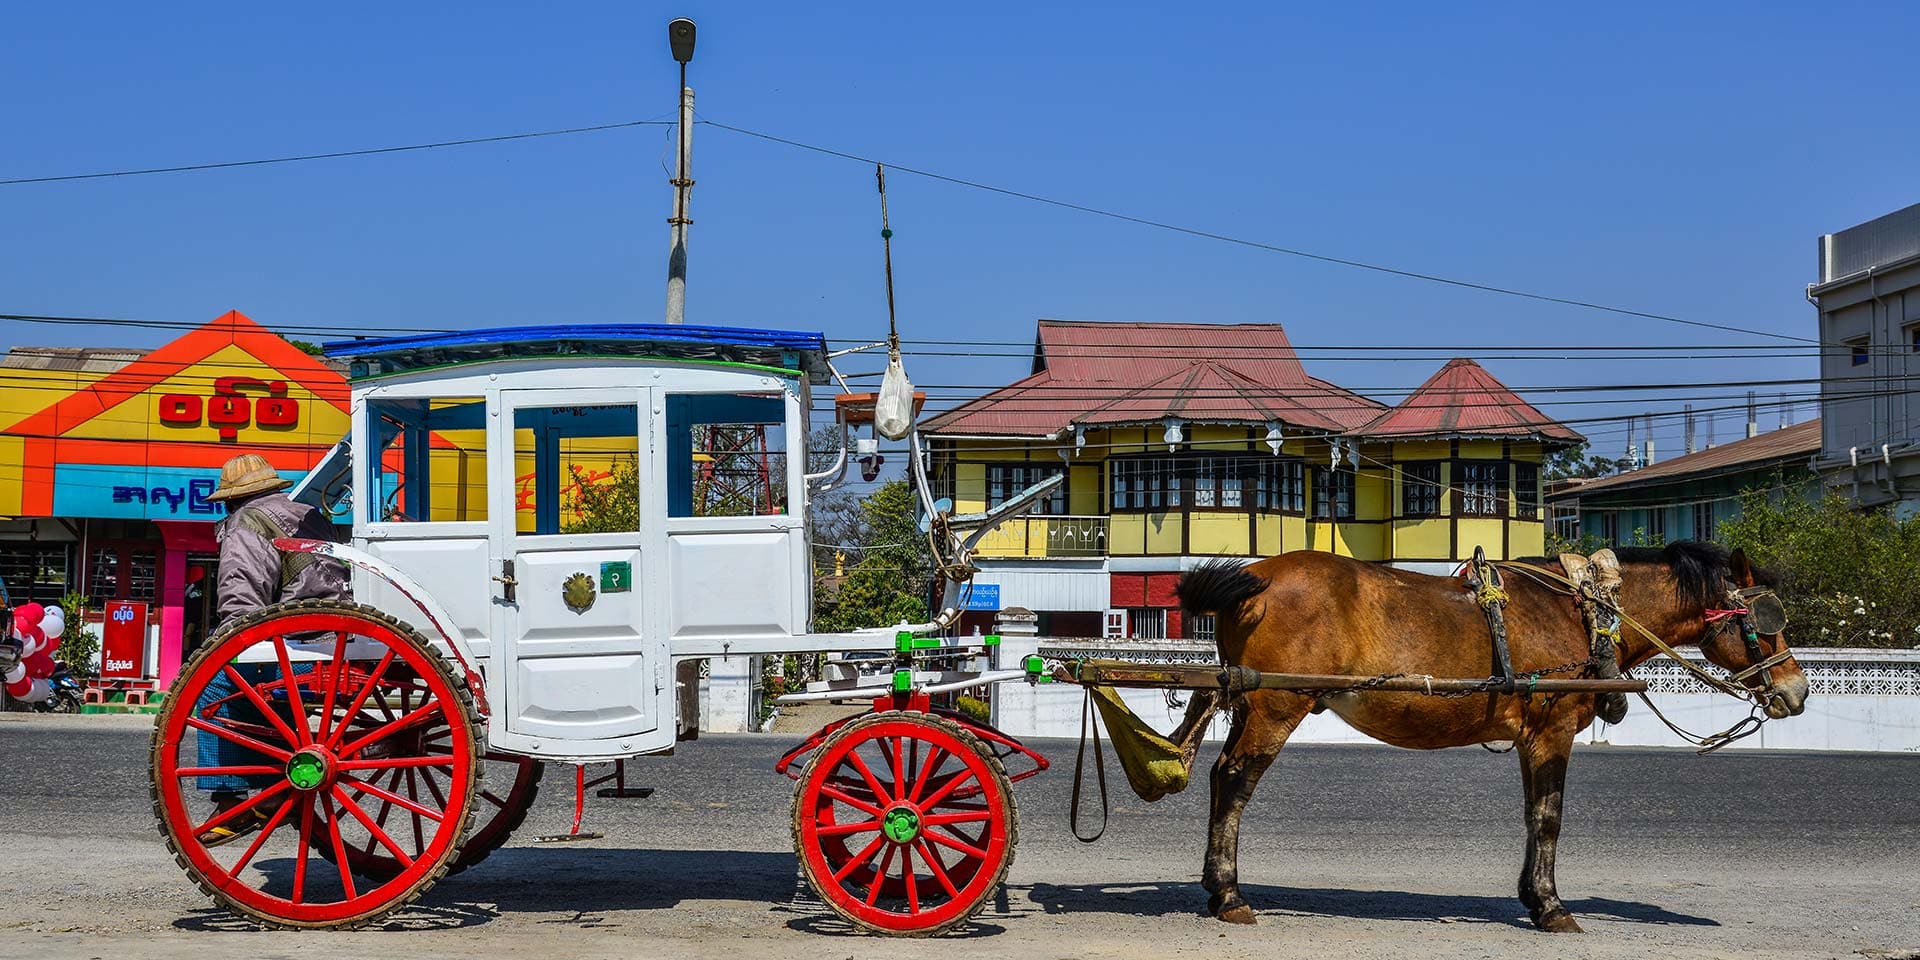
(544, 526)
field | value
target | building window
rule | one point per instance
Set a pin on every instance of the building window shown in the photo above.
(1657, 526)
(1279, 486)
(1526, 491)
(1006, 480)
(140, 575)
(104, 581)
(1149, 623)
(1913, 338)
(1703, 522)
(1115, 624)
(1200, 627)
(1420, 489)
(34, 571)
(1332, 495)
(1857, 352)
(1150, 485)
(1610, 527)
(1480, 489)
(1218, 482)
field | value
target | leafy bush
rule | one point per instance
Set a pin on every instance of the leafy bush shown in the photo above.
(80, 643)
(1847, 576)
(974, 708)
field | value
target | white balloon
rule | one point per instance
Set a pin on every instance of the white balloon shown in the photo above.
(53, 622)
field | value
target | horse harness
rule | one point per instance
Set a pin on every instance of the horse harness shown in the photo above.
(1596, 585)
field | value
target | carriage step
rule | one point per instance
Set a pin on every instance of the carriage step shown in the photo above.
(569, 837)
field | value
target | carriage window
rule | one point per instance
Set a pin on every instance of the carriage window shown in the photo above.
(1480, 489)
(727, 454)
(432, 462)
(1420, 489)
(576, 469)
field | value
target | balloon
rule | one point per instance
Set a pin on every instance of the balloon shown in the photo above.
(54, 622)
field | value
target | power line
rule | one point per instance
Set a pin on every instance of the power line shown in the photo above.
(371, 151)
(1255, 244)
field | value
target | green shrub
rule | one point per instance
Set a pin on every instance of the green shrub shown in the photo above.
(1846, 576)
(79, 643)
(974, 707)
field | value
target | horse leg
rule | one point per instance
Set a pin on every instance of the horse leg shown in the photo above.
(1260, 728)
(1543, 772)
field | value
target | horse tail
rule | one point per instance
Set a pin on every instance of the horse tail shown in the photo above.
(1217, 587)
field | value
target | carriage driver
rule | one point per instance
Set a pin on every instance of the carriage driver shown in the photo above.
(255, 574)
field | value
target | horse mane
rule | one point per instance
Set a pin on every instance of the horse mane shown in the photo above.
(1700, 569)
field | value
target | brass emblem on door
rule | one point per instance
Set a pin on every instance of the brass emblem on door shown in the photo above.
(578, 593)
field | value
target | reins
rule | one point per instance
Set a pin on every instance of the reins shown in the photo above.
(1733, 686)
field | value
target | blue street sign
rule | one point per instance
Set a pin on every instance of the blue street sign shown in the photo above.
(983, 596)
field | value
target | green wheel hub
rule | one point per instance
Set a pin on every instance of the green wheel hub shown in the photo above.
(901, 825)
(306, 770)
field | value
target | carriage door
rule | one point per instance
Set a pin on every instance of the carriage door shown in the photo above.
(582, 656)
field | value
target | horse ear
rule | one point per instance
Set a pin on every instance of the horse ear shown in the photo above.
(1741, 568)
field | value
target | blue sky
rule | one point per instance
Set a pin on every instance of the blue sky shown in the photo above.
(1674, 158)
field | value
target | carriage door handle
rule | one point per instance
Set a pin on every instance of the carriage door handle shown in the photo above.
(507, 582)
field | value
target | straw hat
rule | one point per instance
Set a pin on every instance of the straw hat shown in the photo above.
(246, 475)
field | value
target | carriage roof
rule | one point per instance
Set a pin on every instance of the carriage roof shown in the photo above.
(787, 352)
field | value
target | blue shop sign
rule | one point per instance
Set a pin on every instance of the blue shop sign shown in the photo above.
(982, 596)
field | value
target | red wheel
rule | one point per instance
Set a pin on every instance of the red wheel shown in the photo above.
(507, 788)
(904, 823)
(314, 711)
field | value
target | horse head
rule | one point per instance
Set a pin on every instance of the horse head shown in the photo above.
(1746, 635)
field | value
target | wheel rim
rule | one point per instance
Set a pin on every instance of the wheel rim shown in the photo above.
(323, 748)
(903, 825)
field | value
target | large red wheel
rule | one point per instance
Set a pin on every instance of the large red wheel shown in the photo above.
(318, 708)
(508, 786)
(904, 823)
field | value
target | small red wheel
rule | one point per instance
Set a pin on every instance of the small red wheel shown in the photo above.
(312, 710)
(904, 823)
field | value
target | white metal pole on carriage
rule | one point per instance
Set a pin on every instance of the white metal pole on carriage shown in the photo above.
(680, 37)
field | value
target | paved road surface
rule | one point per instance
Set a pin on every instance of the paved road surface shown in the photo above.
(1349, 852)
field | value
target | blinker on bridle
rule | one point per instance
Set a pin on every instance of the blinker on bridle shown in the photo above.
(1759, 611)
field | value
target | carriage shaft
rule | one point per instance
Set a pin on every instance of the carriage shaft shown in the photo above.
(1119, 673)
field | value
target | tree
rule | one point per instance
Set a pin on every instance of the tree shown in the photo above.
(1575, 462)
(890, 581)
(1846, 576)
(307, 347)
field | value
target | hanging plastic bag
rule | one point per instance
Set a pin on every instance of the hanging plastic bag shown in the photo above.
(893, 414)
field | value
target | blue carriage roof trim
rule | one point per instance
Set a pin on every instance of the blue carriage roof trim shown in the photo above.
(789, 349)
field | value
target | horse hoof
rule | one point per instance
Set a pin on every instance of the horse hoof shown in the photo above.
(1557, 921)
(1237, 913)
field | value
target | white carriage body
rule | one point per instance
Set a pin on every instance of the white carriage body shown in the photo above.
(576, 633)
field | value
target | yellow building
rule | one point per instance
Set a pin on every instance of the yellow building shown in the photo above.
(1182, 442)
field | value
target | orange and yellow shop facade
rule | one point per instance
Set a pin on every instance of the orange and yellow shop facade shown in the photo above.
(106, 463)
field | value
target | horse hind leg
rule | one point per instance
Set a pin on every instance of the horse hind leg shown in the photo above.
(1260, 728)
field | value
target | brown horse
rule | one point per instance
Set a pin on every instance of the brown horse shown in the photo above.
(1316, 613)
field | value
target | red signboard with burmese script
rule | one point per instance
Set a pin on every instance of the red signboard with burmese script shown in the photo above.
(123, 641)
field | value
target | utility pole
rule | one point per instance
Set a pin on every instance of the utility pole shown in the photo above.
(1753, 417)
(680, 37)
(1690, 447)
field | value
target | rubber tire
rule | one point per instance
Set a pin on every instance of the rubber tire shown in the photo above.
(463, 703)
(960, 733)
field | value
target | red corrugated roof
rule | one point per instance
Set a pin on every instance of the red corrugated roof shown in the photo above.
(1464, 400)
(1113, 374)
(1785, 445)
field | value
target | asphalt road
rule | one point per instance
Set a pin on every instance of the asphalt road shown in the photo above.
(1349, 852)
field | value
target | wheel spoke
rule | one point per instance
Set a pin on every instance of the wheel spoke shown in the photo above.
(360, 699)
(413, 790)
(859, 859)
(931, 858)
(880, 876)
(347, 803)
(339, 847)
(380, 733)
(300, 854)
(954, 843)
(223, 817)
(936, 755)
(254, 771)
(260, 703)
(338, 667)
(292, 684)
(273, 823)
(433, 787)
(488, 796)
(843, 829)
(389, 796)
(947, 788)
(850, 800)
(228, 733)
(873, 783)
(393, 763)
(942, 819)
(900, 763)
(906, 873)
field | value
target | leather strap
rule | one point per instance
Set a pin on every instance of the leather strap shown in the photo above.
(1087, 722)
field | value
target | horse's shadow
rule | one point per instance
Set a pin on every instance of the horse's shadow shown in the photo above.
(1170, 899)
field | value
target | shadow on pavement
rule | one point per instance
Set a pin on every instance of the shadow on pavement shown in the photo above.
(1156, 900)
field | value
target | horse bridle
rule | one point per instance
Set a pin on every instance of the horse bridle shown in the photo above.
(1755, 611)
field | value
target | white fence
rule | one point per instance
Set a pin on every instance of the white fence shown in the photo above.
(1858, 700)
